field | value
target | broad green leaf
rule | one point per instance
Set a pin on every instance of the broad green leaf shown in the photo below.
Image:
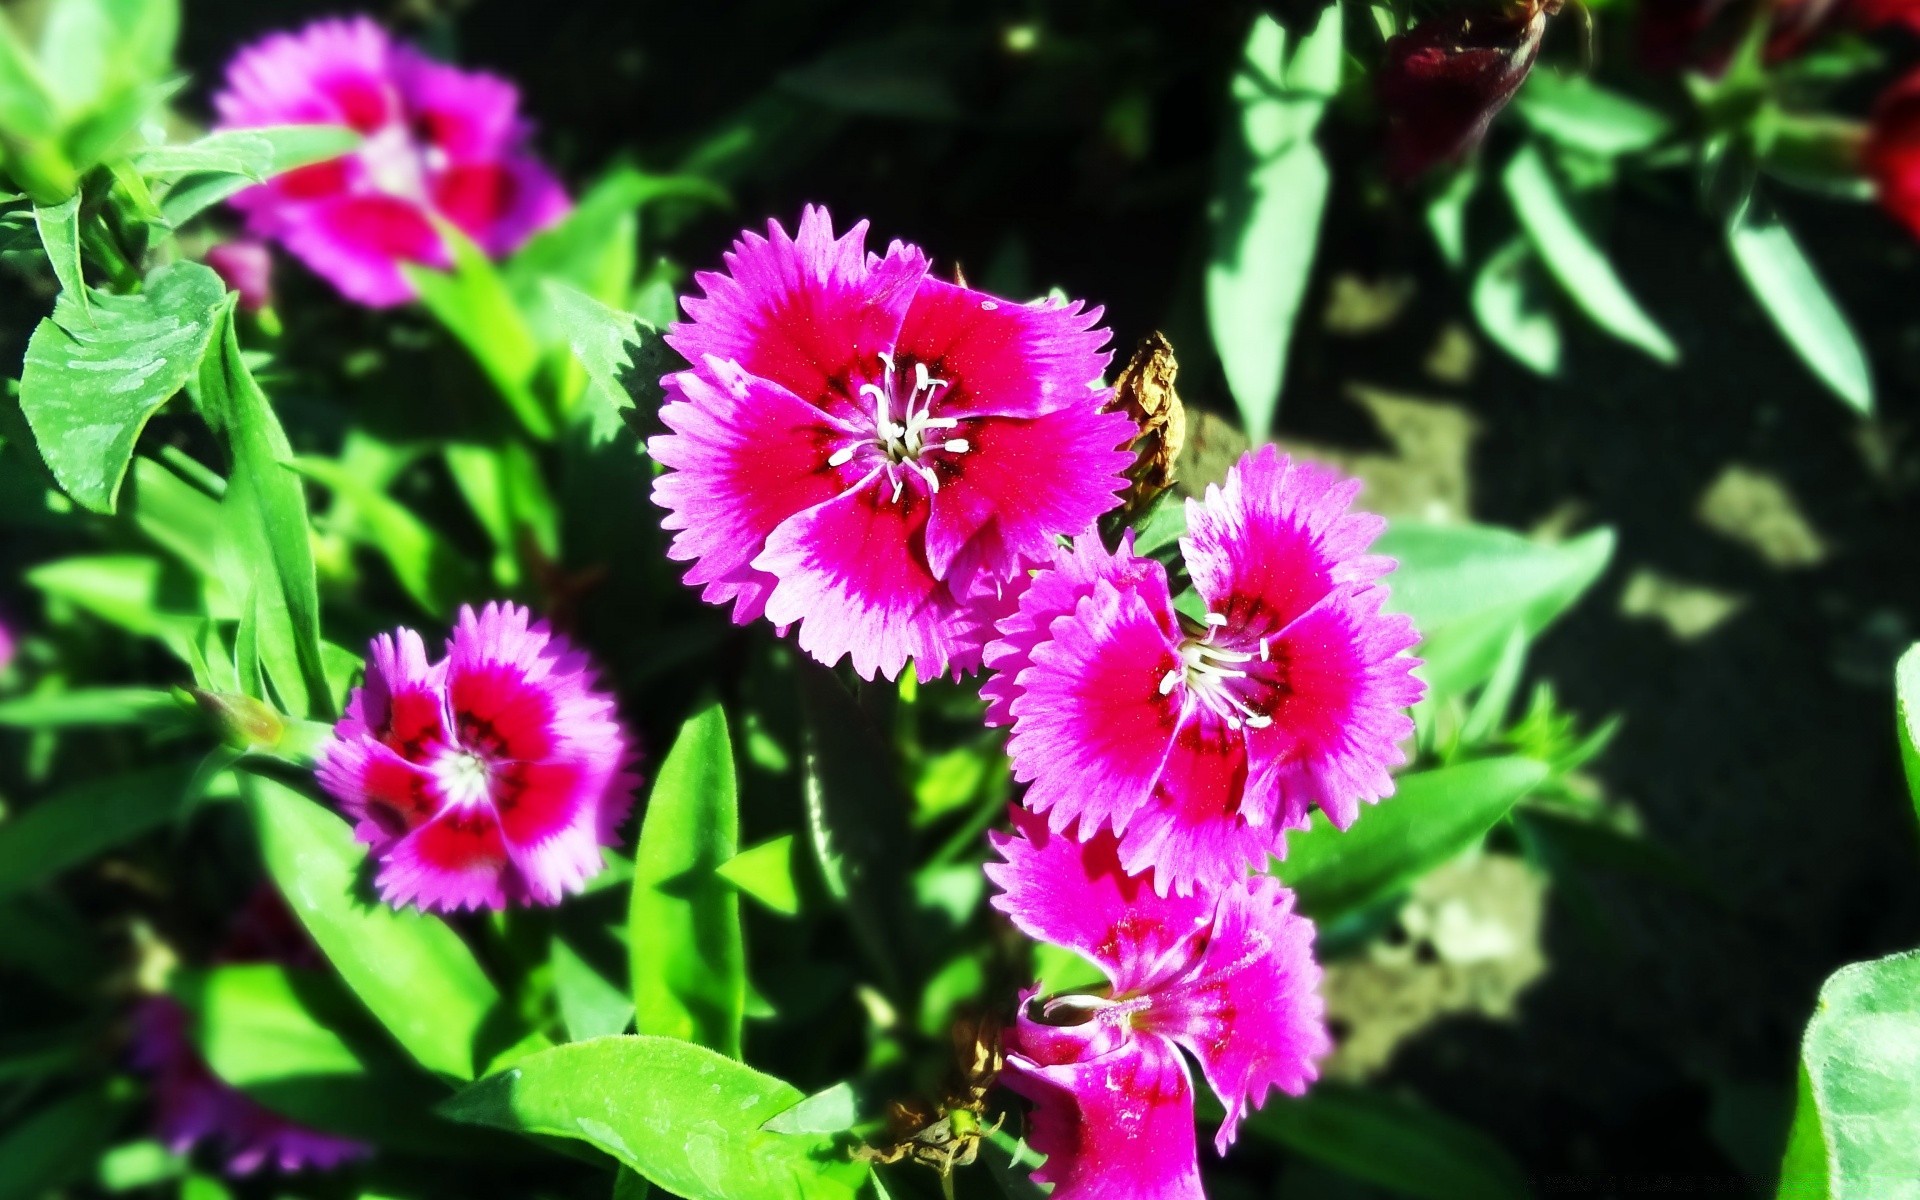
(684, 1117)
(1267, 206)
(624, 358)
(1447, 213)
(1431, 817)
(1467, 587)
(83, 820)
(254, 1025)
(28, 110)
(95, 51)
(1405, 1147)
(55, 1145)
(591, 1005)
(93, 708)
(1508, 303)
(473, 303)
(1575, 259)
(60, 235)
(257, 153)
(1853, 1135)
(178, 516)
(132, 591)
(689, 967)
(1490, 707)
(857, 822)
(503, 486)
(96, 372)
(1906, 685)
(138, 1164)
(1784, 282)
(765, 872)
(270, 527)
(430, 568)
(1576, 112)
(835, 1110)
(412, 972)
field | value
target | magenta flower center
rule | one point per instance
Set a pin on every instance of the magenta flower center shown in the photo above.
(904, 427)
(1239, 677)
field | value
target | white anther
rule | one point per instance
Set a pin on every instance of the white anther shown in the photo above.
(1266, 655)
(956, 445)
(1169, 681)
(841, 457)
(899, 485)
(1259, 722)
(1216, 619)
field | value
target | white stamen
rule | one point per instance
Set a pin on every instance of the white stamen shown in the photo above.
(1169, 681)
(841, 457)
(1216, 619)
(1266, 654)
(956, 445)
(899, 485)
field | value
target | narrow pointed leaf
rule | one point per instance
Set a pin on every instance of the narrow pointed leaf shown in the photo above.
(1785, 284)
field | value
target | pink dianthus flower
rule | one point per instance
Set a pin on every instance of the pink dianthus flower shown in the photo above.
(492, 776)
(440, 143)
(1229, 976)
(1201, 742)
(871, 453)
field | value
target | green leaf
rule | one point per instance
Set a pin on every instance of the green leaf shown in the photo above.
(857, 821)
(1571, 253)
(684, 1117)
(473, 303)
(1268, 202)
(1576, 112)
(95, 373)
(835, 1110)
(177, 516)
(1396, 1144)
(60, 234)
(268, 508)
(624, 357)
(93, 708)
(1507, 302)
(138, 1164)
(689, 967)
(591, 1005)
(236, 160)
(255, 155)
(1852, 1137)
(431, 570)
(1467, 587)
(1906, 685)
(84, 820)
(1431, 817)
(132, 591)
(55, 1145)
(95, 51)
(254, 1025)
(766, 872)
(412, 972)
(1783, 281)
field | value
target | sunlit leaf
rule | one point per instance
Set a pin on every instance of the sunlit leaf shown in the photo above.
(686, 1118)
(474, 304)
(1906, 682)
(430, 568)
(1785, 285)
(766, 872)
(1268, 201)
(95, 372)
(1576, 112)
(1509, 303)
(227, 163)
(591, 1005)
(689, 969)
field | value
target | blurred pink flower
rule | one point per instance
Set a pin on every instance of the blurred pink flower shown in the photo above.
(1892, 152)
(245, 265)
(6, 645)
(1201, 742)
(1229, 976)
(872, 454)
(439, 143)
(492, 776)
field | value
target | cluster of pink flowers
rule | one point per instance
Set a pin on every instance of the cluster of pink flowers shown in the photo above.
(492, 776)
(439, 145)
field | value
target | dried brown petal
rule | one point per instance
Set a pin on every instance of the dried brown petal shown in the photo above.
(1145, 392)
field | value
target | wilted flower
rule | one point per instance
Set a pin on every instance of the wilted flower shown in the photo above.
(440, 143)
(245, 265)
(492, 776)
(1446, 79)
(872, 453)
(1201, 741)
(1229, 976)
(192, 1105)
(1892, 153)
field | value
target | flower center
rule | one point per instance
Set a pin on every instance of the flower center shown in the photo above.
(904, 427)
(465, 778)
(396, 163)
(1236, 684)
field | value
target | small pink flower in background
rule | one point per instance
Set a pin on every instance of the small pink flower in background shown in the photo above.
(1229, 976)
(873, 454)
(192, 1105)
(6, 645)
(1201, 742)
(492, 776)
(245, 265)
(439, 143)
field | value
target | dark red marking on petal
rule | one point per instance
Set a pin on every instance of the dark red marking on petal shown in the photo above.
(460, 841)
(500, 715)
(475, 197)
(537, 800)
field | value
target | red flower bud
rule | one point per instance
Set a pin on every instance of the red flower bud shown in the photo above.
(1892, 155)
(1447, 79)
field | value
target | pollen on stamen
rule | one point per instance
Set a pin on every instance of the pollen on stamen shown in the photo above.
(957, 446)
(1169, 681)
(1216, 619)
(842, 457)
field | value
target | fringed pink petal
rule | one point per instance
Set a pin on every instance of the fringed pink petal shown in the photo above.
(1192, 832)
(1005, 359)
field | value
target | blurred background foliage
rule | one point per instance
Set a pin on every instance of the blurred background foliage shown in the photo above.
(1662, 574)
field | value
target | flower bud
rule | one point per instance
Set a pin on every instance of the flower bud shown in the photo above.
(242, 722)
(1446, 80)
(246, 267)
